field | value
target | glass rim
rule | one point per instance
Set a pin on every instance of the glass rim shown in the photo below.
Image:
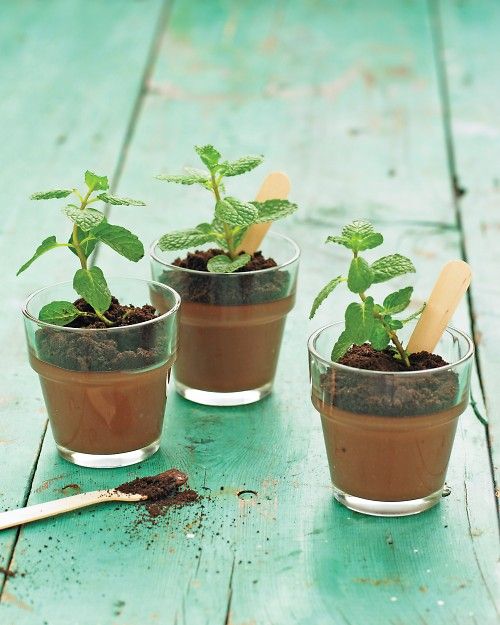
(45, 324)
(311, 345)
(296, 256)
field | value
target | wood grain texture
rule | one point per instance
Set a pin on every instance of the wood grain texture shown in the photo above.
(71, 74)
(353, 115)
(469, 51)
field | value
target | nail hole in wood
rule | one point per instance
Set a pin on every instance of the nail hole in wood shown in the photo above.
(247, 494)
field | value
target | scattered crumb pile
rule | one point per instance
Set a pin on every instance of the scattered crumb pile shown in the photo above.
(162, 491)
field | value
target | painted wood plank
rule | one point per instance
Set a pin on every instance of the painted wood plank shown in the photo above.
(73, 74)
(290, 554)
(469, 51)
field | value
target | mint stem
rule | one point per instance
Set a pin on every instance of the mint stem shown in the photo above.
(78, 249)
(81, 254)
(227, 230)
(76, 242)
(399, 347)
(103, 318)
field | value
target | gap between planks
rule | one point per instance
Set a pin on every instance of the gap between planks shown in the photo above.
(437, 37)
(156, 40)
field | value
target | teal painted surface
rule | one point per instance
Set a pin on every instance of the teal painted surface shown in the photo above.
(70, 75)
(470, 41)
(344, 98)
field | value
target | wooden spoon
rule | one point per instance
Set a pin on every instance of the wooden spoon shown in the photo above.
(275, 187)
(451, 285)
(60, 506)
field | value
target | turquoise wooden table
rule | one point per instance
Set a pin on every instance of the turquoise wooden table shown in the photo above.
(386, 110)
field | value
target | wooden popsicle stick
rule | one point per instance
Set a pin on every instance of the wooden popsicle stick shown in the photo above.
(450, 287)
(60, 506)
(275, 187)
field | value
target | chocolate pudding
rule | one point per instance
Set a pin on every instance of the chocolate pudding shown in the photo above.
(388, 458)
(389, 429)
(105, 386)
(104, 412)
(231, 325)
(230, 348)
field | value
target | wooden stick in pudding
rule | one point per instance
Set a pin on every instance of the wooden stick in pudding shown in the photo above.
(275, 187)
(451, 285)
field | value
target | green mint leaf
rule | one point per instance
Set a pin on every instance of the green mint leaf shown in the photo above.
(187, 178)
(223, 264)
(344, 342)
(323, 294)
(201, 174)
(398, 301)
(49, 195)
(394, 324)
(59, 313)
(89, 245)
(391, 266)
(240, 166)
(272, 210)
(208, 155)
(369, 242)
(95, 182)
(360, 275)
(121, 240)
(358, 236)
(379, 338)
(239, 235)
(202, 178)
(91, 285)
(47, 244)
(205, 227)
(183, 239)
(362, 235)
(119, 201)
(217, 226)
(340, 240)
(414, 315)
(85, 218)
(235, 213)
(359, 321)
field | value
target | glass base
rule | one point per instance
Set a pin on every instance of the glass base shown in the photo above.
(387, 508)
(209, 398)
(109, 461)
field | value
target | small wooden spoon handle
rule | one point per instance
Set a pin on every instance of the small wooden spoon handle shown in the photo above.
(451, 285)
(60, 506)
(275, 187)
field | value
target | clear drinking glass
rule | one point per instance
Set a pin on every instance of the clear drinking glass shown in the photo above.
(389, 436)
(105, 389)
(231, 325)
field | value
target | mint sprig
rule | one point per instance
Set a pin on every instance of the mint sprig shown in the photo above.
(366, 321)
(89, 228)
(232, 217)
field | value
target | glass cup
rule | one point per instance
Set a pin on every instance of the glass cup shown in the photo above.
(231, 325)
(105, 389)
(389, 436)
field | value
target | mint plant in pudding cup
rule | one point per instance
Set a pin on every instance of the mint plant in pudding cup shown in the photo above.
(235, 297)
(102, 361)
(389, 411)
